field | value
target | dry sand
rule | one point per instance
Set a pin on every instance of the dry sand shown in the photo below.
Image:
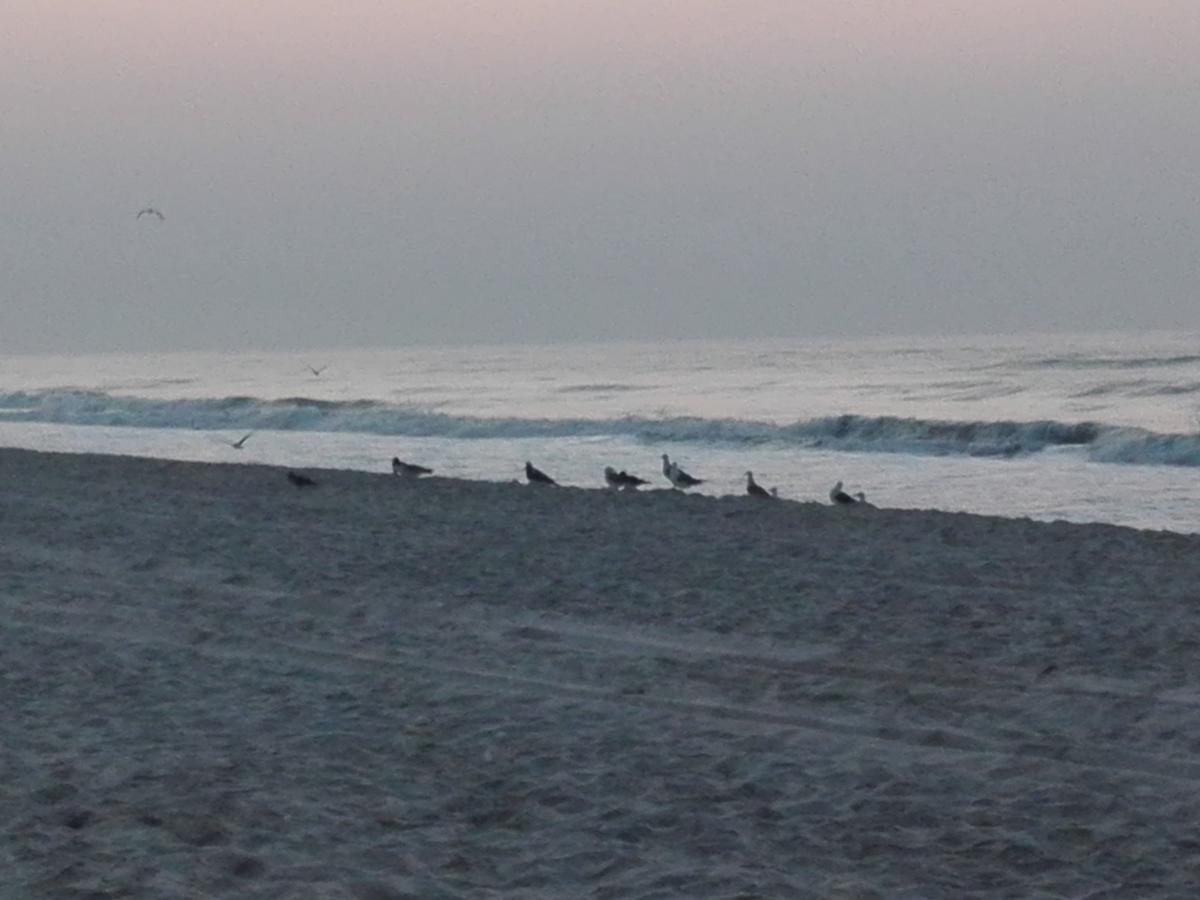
(217, 685)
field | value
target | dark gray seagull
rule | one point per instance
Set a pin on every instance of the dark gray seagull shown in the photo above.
(840, 498)
(408, 470)
(754, 489)
(679, 479)
(300, 481)
(315, 370)
(241, 442)
(534, 475)
(150, 211)
(622, 480)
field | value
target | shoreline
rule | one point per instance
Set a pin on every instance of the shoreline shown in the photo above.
(220, 685)
(649, 490)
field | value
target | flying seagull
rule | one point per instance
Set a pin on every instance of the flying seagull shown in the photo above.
(408, 470)
(678, 478)
(151, 211)
(622, 480)
(534, 475)
(840, 497)
(241, 442)
(754, 489)
(315, 370)
(300, 481)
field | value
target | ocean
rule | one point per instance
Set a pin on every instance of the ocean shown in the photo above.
(1085, 428)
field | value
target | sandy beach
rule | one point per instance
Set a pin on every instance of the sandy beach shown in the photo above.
(218, 685)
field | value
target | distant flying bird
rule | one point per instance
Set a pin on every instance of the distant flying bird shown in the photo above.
(408, 470)
(151, 211)
(241, 442)
(622, 480)
(300, 481)
(754, 489)
(840, 497)
(678, 478)
(315, 370)
(536, 476)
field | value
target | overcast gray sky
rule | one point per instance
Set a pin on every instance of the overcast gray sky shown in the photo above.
(385, 172)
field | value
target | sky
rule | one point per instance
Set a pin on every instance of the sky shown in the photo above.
(387, 172)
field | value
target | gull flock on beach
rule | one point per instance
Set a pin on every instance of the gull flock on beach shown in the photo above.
(616, 479)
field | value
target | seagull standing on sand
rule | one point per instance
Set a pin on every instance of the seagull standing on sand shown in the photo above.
(150, 211)
(622, 480)
(754, 489)
(840, 498)
(679, 479)
(408, 470)
(534, 475)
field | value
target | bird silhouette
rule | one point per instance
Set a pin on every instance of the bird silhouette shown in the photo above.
(754, 489)
(622, 480)
(840, 497)
(315, 370)
(408, 470)
(536, 476)
(150, 211)
(241, 442)
(678, 478)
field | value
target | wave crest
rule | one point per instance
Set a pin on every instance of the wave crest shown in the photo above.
(868, 434)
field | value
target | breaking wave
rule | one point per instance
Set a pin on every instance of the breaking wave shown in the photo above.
(869, 434)
(1084, 361)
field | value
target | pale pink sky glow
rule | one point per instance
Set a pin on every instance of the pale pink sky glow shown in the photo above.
(369, 34)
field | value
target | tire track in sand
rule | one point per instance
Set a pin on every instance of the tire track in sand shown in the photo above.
(334, 659)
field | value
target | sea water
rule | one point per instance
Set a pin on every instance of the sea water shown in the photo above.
(1102, 427)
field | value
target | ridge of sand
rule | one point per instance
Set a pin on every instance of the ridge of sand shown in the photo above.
(217, 685)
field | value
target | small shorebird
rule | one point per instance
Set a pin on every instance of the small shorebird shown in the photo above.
(534, 475)
(679, 479)
(622, 480)
(300, 481)
(241, 442)
(408, 470)
(315, 370)
(841, 498)
(150, 211)
(754, 489)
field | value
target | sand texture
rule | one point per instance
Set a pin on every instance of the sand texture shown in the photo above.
(216, 684)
